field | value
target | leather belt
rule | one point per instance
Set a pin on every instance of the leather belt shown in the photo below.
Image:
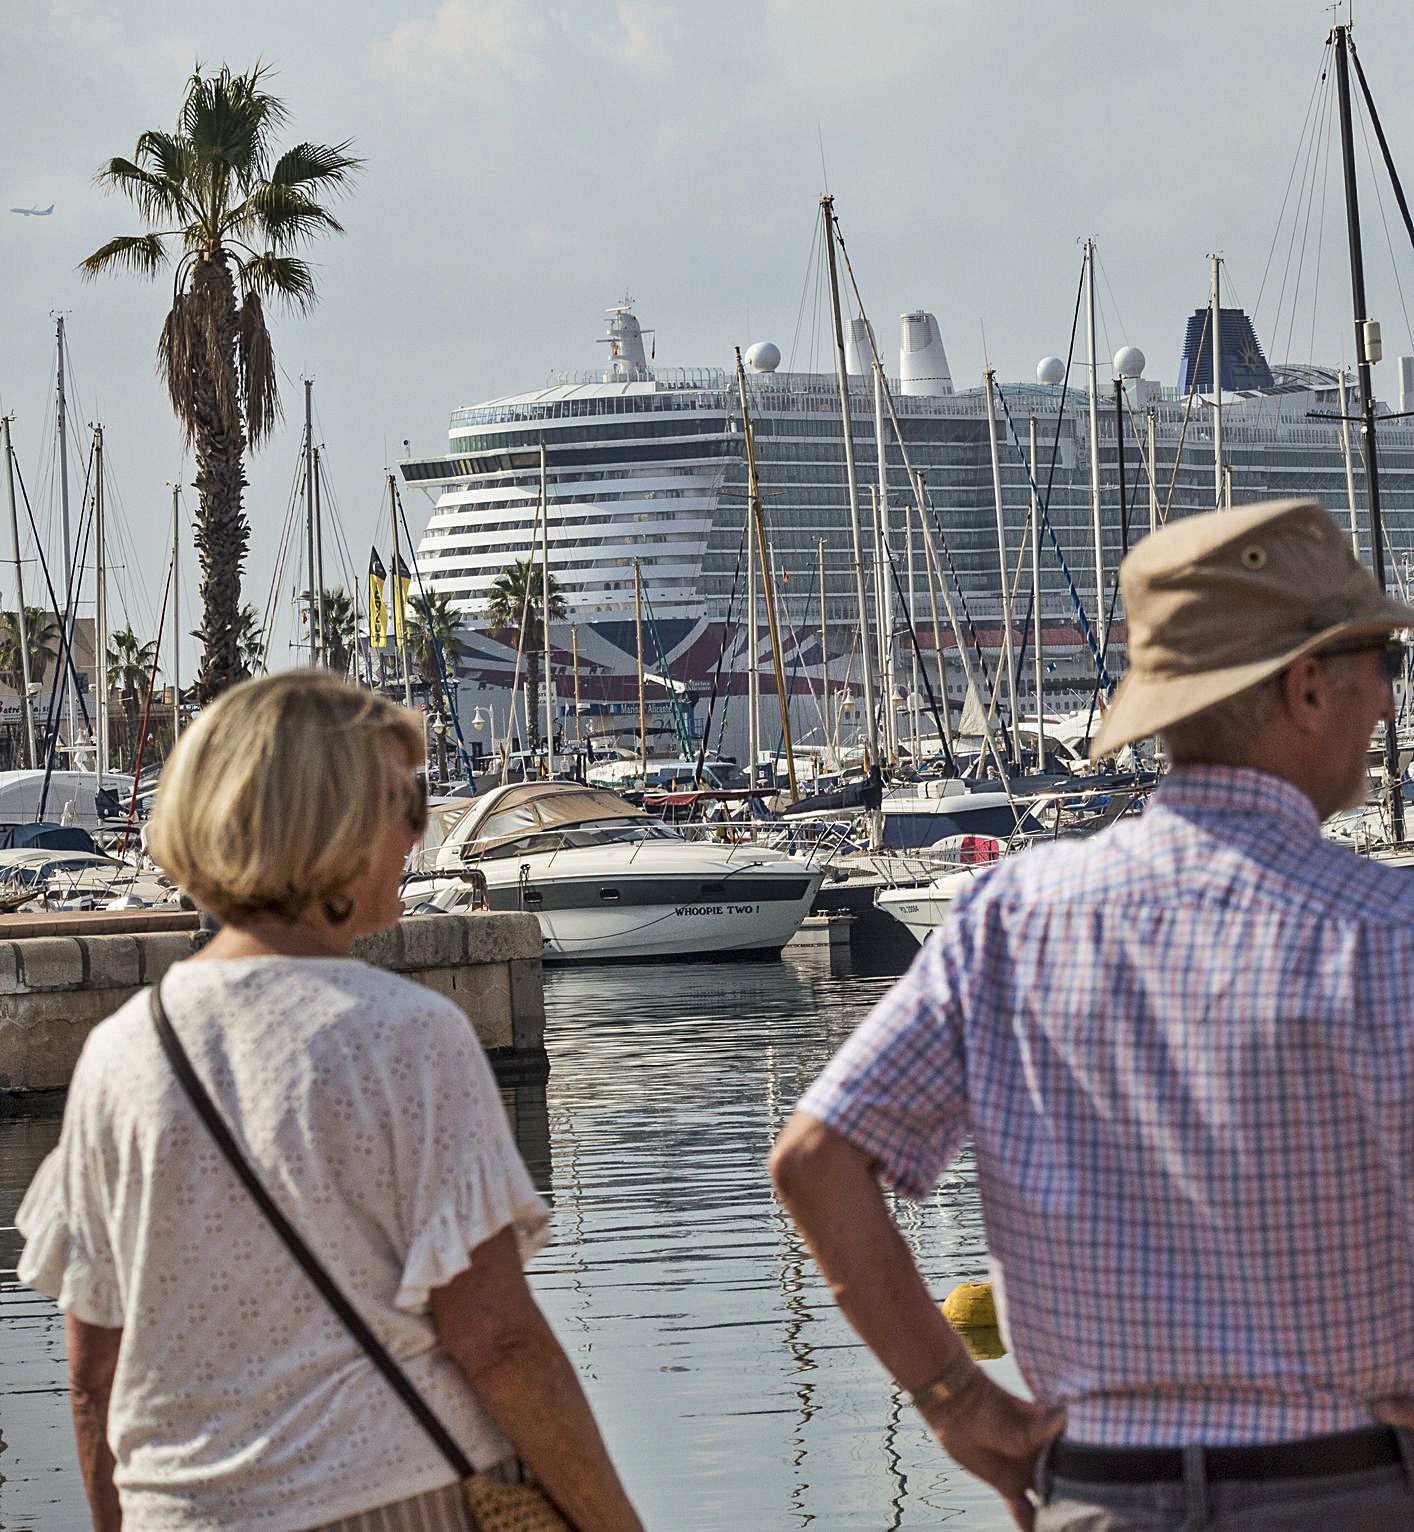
(1312, 1457)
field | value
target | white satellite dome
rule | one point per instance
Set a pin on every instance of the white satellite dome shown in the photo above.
(1129, 362)
(1050, 369)
(764, 356)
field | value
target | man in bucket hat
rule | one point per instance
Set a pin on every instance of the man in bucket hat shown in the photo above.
(1183, 1050)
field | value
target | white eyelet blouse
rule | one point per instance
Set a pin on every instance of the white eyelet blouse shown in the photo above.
(367, 1108)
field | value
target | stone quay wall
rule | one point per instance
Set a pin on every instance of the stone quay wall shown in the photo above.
(54, 989)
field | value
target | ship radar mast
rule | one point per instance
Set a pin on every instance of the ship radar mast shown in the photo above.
(627, 363)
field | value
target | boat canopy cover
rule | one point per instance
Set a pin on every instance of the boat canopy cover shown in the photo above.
(548, 806)
(47, 836)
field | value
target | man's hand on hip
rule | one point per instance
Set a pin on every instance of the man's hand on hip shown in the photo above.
(998, 1437)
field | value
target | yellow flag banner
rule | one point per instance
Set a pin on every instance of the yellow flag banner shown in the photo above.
(377, 608)
(401, 580)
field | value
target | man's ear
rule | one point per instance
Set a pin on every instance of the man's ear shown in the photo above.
(1305, 691)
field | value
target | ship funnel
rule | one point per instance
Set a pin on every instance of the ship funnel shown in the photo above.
(923, 364)
(858, 350)
(625, 342)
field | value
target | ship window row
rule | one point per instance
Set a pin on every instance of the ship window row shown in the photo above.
(567, 485)
(450, 470)
(531, 507)
(623, 531)
(461, 532)
(511, 441)
(439, 563)
(591, 405)
(495, 558)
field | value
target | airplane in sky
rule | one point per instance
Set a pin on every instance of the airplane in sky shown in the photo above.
(33, 212)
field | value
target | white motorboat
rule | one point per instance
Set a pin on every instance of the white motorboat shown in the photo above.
(920, 909)
(609, 882)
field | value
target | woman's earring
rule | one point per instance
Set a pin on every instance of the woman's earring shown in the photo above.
(338, 909)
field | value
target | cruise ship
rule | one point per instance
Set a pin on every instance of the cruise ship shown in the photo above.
(647, 465)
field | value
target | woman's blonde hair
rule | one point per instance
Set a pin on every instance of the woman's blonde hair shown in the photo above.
(275, 797)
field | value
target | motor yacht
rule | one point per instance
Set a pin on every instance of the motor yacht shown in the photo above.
(607, 881)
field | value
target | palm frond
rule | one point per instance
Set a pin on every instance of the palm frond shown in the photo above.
(259, 380)
(194, 359)
(282, 216)
(155, 197)
(280, 276)
(218, 328)
(144, 254)
(165, 154)
(321, 167)
(176, 361)
(229, 119)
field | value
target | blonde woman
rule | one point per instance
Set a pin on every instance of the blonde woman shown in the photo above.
(212, 1385)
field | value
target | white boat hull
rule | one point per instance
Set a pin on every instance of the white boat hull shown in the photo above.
(607, 914)
(921, 910)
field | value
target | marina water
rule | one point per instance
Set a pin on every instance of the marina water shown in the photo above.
(732, 1394)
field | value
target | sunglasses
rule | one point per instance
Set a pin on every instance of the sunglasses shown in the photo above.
(416, 804)
(1391, 651)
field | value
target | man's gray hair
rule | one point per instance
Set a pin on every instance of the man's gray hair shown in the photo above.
(1221, 735)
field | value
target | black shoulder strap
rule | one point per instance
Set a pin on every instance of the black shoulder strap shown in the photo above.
(308, 1262)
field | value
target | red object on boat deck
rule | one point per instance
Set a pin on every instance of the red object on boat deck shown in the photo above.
(980, 850)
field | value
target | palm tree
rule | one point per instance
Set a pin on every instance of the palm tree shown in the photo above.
(516, 601)
(43, 635)
(236, 212)
(250, 643)
(130, 666)
(339, 632)
(433, 624)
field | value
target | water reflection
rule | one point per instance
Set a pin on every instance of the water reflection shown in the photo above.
(732, 1393)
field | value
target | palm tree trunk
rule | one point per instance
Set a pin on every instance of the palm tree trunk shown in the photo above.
(533, 695)
(130, 717)
(222, 530)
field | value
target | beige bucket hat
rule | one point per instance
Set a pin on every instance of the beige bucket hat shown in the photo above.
(1218, 602)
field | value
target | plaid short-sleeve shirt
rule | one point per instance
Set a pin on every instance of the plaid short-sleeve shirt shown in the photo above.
(1184, 1052)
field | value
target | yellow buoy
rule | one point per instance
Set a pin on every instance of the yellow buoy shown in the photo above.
(970, 1306)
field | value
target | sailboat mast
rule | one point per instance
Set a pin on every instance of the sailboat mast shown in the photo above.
(400, 613)
(176, 613)
(1216, 323)
(824, 655)
(1092, 374)
(1349, 461)
(1036, 634)
(100, 608)
(61, 419)
(545, 615)
(312, 604)
(914, 731)
(753, 659)
(944, 707)
(989, 381)
(574, 661)
(21, 619)
(642, 691)
(759, 525)
(883, 604)
(1366, 352)
(325, 647)
(866, 657)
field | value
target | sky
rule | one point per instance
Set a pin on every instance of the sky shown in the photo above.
(528, 162)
